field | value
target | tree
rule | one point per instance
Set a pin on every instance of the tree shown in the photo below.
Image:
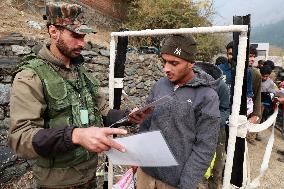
(169, 14)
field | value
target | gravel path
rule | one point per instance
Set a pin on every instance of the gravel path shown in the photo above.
(274, 177)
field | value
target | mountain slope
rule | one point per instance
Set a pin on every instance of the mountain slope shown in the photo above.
(271, 33)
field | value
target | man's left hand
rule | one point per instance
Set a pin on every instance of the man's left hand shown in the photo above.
(254, 119)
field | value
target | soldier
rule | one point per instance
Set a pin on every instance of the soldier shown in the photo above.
(57, 110)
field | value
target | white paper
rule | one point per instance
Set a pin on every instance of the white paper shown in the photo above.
(147, 149)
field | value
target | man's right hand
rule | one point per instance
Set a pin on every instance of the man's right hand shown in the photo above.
(95, 139)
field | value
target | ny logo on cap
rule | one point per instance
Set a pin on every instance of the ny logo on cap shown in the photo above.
(177, 51)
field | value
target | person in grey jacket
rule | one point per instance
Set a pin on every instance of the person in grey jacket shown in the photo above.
(223, 91)
(190, 122)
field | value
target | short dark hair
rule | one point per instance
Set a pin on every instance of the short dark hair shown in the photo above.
(230, 45)
(269, 63)
(220, 60)
(265, 70)
(252, 50)
(260, 62)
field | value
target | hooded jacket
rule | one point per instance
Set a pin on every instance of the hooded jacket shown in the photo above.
(222, 89)
(190, 123)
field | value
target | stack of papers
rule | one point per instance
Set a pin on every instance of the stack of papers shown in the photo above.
(147, 149)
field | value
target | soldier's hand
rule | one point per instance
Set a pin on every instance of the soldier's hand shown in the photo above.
(96, 139)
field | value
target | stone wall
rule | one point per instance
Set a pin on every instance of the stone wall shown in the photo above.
(140, 73)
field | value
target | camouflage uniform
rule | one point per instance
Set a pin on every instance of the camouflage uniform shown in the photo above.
(45, 105)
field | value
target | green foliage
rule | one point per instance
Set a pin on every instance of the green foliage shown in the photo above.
(209, 45)
(161, 14)
(170, 14)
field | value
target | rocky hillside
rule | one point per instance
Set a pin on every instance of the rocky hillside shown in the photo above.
(28, 21)
(270, 33)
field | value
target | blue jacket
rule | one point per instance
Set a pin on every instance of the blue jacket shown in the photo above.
(227, 72)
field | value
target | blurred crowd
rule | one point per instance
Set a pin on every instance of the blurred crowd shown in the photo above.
(265, 89)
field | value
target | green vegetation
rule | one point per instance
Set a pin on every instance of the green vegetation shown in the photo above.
(170, 14)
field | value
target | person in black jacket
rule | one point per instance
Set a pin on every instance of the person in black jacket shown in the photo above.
(216, 179)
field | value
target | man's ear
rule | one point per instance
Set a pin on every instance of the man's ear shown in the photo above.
(190, 65)
(54, 32)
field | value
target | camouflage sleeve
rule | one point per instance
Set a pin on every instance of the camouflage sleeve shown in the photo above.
(27, 104)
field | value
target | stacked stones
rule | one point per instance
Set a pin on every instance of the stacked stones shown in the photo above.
(141, 71)
(12, 48)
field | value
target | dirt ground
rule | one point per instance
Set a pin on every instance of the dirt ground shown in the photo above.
(274, 177)
(16, 19)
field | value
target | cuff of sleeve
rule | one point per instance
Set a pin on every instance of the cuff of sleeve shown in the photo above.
(68, 138)
(114, 115)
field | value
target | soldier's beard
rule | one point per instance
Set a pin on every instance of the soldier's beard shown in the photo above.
(65, 50)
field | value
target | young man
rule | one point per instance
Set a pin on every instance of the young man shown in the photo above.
(57, 110)
(267, 87)
(226, 66)
(272, 66)
(190, 122)
(267, 84)
(254, 86)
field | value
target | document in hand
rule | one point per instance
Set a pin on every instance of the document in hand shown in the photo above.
(147, 149)
(160, 101)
